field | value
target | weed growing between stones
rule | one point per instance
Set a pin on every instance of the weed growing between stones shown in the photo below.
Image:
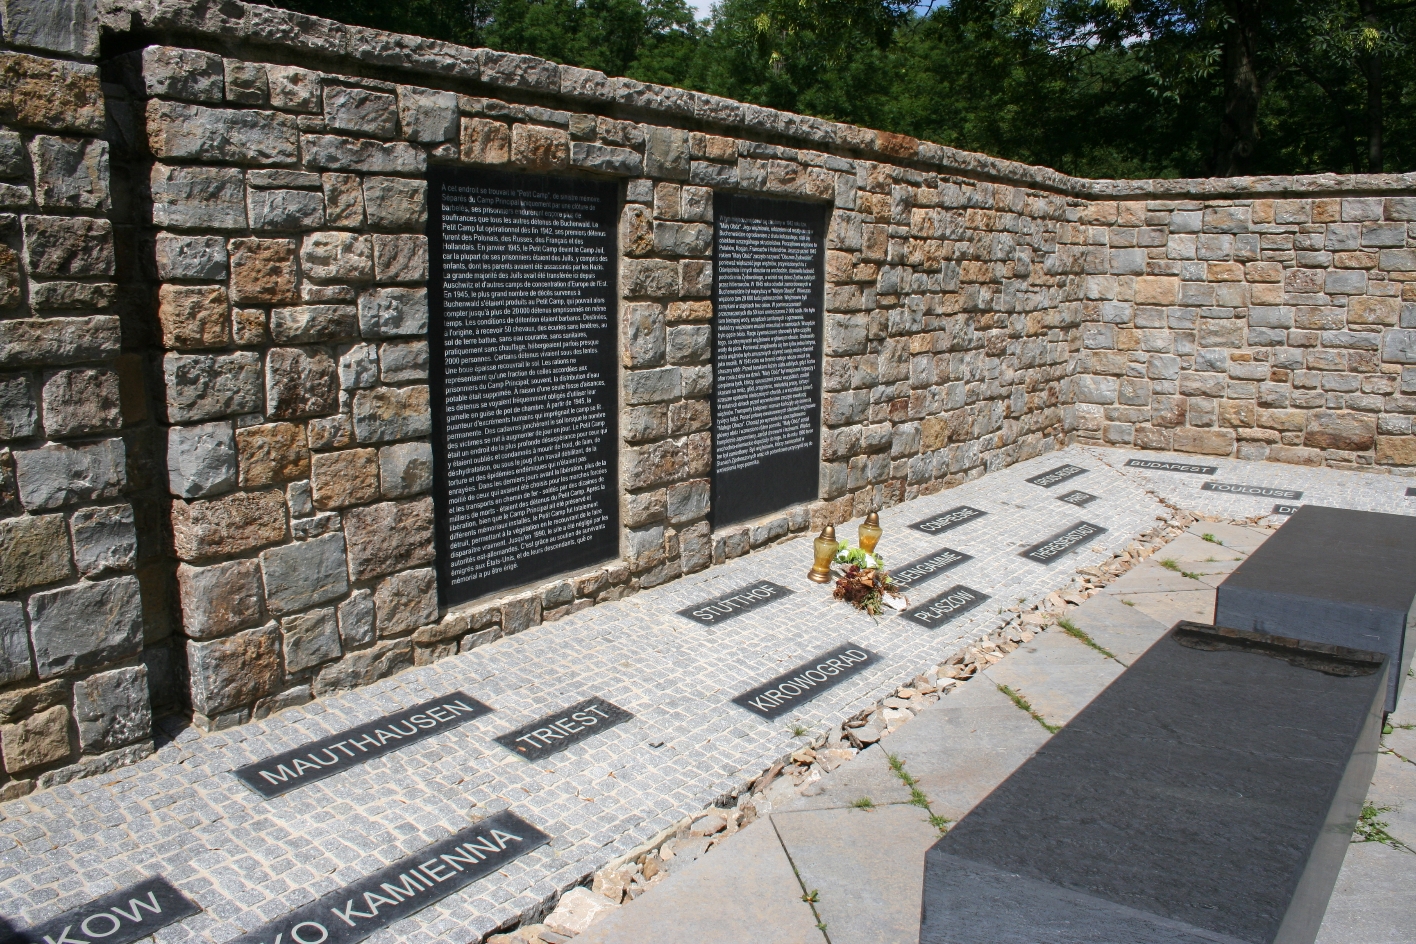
(1070, 628)
(864, 803)
(1371, 829)
(1170, 563)
(1210, 538)
(1022, 703)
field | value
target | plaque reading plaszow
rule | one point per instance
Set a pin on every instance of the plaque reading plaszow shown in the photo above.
(120, 917)
(411, 884)
(1079, 498)
(1285, 509)
(949, 605)
(1058, 475)
(1058, 546)
(735, 602)
(1156, 465)
(329, 755)
(947, 521)
(556, 732)
(917, 572)
(524, 368)
(1262, 491)
(806, 681)
(768, 295)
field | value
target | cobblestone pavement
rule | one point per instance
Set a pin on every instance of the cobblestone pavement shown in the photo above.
(245, 860)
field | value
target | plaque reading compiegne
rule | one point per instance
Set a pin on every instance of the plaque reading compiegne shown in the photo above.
(523, 352)
(769, 267)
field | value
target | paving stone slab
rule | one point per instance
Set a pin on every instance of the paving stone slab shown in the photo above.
(1058, 675)
(1122, 630)
(1372, 902)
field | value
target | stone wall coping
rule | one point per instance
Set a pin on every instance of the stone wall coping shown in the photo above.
(305, 35)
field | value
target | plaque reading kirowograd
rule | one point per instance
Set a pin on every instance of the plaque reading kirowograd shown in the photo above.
(769, 265)
(523, 380)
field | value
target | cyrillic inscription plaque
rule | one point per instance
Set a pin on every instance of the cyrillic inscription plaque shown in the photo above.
(806, 681)
(121, 917)
(523, 381)
(769, 267)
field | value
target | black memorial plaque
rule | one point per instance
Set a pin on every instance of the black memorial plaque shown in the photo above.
(411, 884)
(1079, 498)
(555, 732)
(329, 755)
(1156, 465)
(1053, 549)
(948, 520)
(1058, 475)
(769, 260)
(1284, 509)
(524, 374)
(1259, 491)
(735, 602)
(948, 606)
(799, 686)
(1411, 492)
(121, 917)
(925, 568)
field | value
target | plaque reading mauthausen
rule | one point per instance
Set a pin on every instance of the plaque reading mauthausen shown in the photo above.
(523, 353)
(769, 262)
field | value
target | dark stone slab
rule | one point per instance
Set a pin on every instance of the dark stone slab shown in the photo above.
(1207, 795)
(558, 731)
(1259, 491)
(948, 520)
(411, 884)
(1410, 492)
(793, 689)
(1156, 465)
(735, 602)
(1079, 498)
(1053, 549)
(1058, 475)
(948, 606)
(928, 567)
(1282, 509)
(121, 917)
(1331, 575)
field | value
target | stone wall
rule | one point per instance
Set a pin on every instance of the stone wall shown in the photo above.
(213, 371)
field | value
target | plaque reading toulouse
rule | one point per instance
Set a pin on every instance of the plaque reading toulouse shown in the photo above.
(949, 605)
(948, 520)
(918, 571)
(355, 911)
(1078, 498)
(738, 601)
(768, 293)
(1263, 491)
(1058, 475)
(1284, 509)
(1159, 466)
(524, 376)
(329, 755)
(1053, 549)
(120, 917)
(802, 684)
(555, 732)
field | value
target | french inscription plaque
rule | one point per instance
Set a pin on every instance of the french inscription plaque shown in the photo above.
(931, 565)
(556, 732)
(1262, 491)
(1079, 498)
(768, 295)
(121, 917)
(735, 602)
(949, 605)
(522, 339)
(799, 686)
(1284, 509)
(948, 520)
(1053, 549)
(406, 887)
(1156, 465)
(1058, 475)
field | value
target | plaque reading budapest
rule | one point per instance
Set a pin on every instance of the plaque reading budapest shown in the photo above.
(1079, 498)
(1062, 543)
(1058, 475)
(121, 917)
(522, 338)
(556, 732)
(1262, 491)
(768, 294)
(1156, 465)
(917, 572)
(949, 605)
(725, 607)
(948, 520)
(806, 681)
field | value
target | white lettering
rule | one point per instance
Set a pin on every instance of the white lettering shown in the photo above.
(64, 937)
(135, 903)
(295, 933)
(116, 924)
(349, 910)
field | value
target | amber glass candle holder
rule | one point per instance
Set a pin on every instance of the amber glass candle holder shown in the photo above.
(870, 532)
(825, 549)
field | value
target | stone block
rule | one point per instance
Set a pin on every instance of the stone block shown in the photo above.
(105, 540)
(362, 111)
(406, 469)
(176, 131)
(9, 277)
(86, 625)
(15, 664)
(540, 149)
(55, 476)
(63, 26)
(359, 367)
(293, 88)
(272, 453)
(220, 599)
(388, 413)
(393, 203)
(688, 501)
(246, 82)
(406, 601)
(1336, 429)
(18, 416)
(427, 116)
(235, 671)
(1399, 346)
(344, 200)
(331, 432)
(344, 478)
(485, 142)
(1396, 450)
(198, 197)
(337, 257)
(206, 386)
(520, 614)
(34, 551)
(63, 247)
(187, 74)
(368, 665)
(263, 271)
(232, 524)
(309, 639)
(1087, 388)
(1157, 290)
(666, 154)
(402, 361)
(81, 402)
(13, 161)
(194, 316)
(49, 94)
(276, 211)
(335, 152)
(70, 173)
(36, 741)
(309, 323)
(304, 574)
(201, 460)
(389, 537)
(622, 162)
(401, 258)
(393, 313)
(1373, 310)
(356, 619)
(191, 257)
(300, 382)
(1210, 442)
(112, 709)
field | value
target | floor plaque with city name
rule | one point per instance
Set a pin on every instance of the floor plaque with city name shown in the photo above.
(1411, 492)
(329, 755)
(406, 887)
(559, 730)
(917, 572)
(1260, 491)
(121, 917)
(1053, 549)
(1285, 509)
(735, 603)
(1058, 475)
(948, 520)
(793, 689)
(1079, 498)
(949, 605)
(1156, 465)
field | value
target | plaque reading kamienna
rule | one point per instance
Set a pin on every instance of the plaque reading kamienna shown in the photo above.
(769, 268)
(523, 377)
